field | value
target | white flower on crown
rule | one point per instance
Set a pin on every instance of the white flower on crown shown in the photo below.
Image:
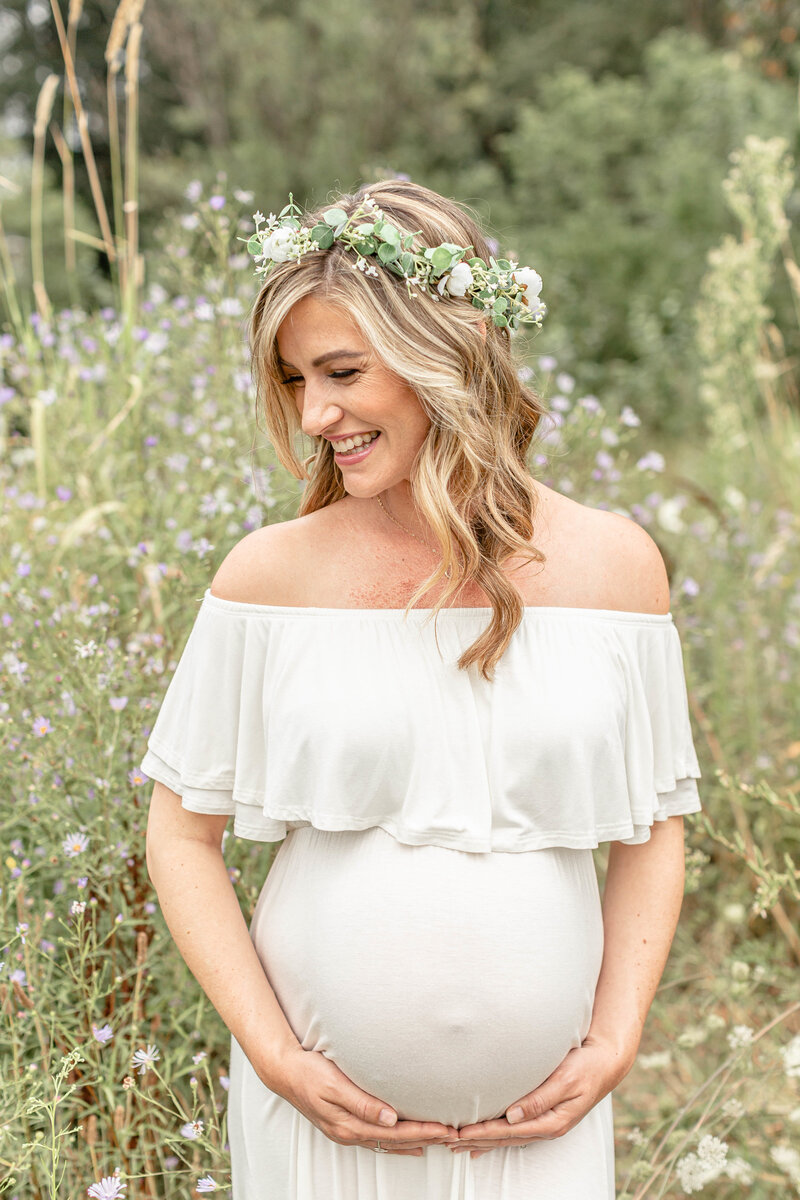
(529, 279)
(458, 281)
(278, 246)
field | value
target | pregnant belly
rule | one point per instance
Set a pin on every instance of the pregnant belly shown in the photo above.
(447, 983)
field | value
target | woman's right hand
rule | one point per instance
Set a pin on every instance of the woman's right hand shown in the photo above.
(344, 1113)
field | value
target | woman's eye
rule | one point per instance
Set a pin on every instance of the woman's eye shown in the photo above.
(333, 375)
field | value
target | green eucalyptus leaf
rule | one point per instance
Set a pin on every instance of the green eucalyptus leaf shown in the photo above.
(387, 252)
(323, 236)
(499, 320)
(365, 248)
(254, 245)
(407, 262)
(335, 216)
(504, 264)
(365, 227)
(441, 259)
(501, 304)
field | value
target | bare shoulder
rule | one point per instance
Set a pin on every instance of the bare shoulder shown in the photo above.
(268, 565)
(628, 567)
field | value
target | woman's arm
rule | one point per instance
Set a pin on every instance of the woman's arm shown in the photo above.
(188, 872)
(641, 905)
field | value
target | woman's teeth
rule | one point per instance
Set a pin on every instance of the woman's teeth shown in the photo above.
(354, 443)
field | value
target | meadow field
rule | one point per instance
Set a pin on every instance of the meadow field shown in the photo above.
(133, 458)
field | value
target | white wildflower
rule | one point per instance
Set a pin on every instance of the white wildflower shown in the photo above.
(696, 1170)
(740, 1171)
(791, 1057)
(740, 1036)
(788, 1159)
(192, 1130)
(656, 1061)
(144, 1058)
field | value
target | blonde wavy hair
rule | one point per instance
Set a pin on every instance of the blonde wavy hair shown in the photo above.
(470, 479)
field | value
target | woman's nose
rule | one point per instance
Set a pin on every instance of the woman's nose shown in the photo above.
(318, 411)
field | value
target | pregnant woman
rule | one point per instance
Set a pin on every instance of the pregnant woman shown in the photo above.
(439, 688)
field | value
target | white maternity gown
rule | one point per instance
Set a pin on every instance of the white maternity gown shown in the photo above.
(432, 920)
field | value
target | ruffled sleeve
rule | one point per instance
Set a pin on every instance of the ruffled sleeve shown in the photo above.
(660, 758)
(348, 719)
(208, 738)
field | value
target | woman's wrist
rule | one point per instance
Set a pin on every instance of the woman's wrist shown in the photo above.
(622, 1045)
(276, 1070)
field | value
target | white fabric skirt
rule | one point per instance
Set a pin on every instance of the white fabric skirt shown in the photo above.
(448, 984)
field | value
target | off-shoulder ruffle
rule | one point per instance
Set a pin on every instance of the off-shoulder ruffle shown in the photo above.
(353, 718)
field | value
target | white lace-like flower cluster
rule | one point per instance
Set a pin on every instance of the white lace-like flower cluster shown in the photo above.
(506, 292)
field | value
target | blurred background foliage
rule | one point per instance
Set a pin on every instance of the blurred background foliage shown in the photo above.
(592, 138)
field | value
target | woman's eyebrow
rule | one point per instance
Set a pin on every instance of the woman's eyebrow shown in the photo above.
(323, 358)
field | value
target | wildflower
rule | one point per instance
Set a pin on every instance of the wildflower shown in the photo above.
(144, 1058)
(734, 1108)
(692, 1036)
(740, 1171)
(740, 1036)
(108, 1188)
(117, 703)
(636, 1137)
(788, 1159)
(791, 1057)
(196, 1058)
(192, 1130)
(74, 843)
(655, 1062)
(740, 970)
(104, 1034)
(77, 907)
(41, 726)
(695, 1170)
(206, 1184)
(652, 461)
(128, 1083)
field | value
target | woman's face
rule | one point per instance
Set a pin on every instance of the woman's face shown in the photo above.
(349, 393)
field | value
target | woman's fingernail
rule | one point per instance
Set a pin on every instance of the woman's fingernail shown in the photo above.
(386, 1117)
(514, 1114)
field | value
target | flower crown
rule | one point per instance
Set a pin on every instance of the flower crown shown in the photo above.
(506, 292)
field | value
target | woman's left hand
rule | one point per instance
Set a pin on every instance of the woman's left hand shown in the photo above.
(587, 1074)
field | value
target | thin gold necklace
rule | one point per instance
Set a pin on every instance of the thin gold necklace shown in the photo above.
(399, 526)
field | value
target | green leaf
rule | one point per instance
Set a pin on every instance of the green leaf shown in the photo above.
(365, 248)
(504, 264)
(499, 320)
(389, 233)
(334, 217)
(501, 304)
(407, 262)
(323, 235)
(441, 259)
(254, 245)
(387, 252)
(365, 227)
